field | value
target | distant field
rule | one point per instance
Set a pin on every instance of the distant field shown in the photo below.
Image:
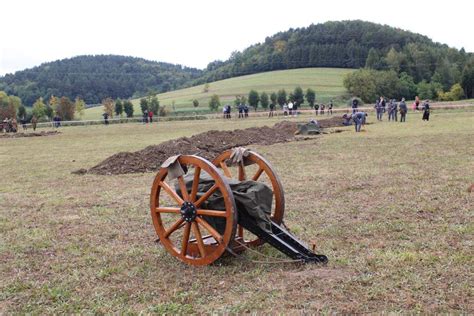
(327, 82)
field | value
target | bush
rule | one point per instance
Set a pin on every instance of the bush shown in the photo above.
(163, 111)
(456, 93)
(214, 103)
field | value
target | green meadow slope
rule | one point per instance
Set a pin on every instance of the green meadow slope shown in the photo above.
(327, 82)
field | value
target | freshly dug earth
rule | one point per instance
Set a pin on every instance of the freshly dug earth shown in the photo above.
(207, 145)
(32, 134)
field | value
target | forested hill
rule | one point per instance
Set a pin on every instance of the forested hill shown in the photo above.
(344, 44)
(94, 78)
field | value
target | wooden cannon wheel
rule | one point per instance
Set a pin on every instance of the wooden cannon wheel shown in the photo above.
(180, 221)
(241, 174)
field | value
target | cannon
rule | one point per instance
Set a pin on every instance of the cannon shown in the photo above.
(202, 210)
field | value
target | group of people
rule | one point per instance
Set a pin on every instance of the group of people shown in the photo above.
(9, 125)
(320, 109)
(243, 110)
(147, 116)
(290, 109)
(381, 106)
(226, 111)
(393, 108)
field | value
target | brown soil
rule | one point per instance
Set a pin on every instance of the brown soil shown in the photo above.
(207, 145)
(32, 134)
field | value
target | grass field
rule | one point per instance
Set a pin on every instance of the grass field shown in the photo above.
(327, 82)
(388, 206)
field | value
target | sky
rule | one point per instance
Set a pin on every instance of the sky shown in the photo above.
(194, 33)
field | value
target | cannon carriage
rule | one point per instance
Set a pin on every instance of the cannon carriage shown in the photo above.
(202, 209)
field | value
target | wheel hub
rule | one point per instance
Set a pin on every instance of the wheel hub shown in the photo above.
(188, 211)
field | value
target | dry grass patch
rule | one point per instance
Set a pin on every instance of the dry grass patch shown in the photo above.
(389, 207)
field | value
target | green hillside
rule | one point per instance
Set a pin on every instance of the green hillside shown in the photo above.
(327, 82)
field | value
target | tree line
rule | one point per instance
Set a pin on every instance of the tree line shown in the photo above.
(369, 83)
(265, 100)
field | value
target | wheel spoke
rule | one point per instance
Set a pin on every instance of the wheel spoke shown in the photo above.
(210, 229)
(174, 227)
(241, 231)
(226, 169)
(184, 244)
(257, 174)
(197, 174)
(176, 210)
(182, 187)
(241, 172)
(206, 195)
(197, 235)
(212, 213)
(171, 192)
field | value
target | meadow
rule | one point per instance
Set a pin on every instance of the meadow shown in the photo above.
(389, 206)
(327, 82)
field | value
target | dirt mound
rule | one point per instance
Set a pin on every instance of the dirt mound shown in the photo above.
(207, 145)
(32, 134)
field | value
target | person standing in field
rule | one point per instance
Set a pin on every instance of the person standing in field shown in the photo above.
(241, 110)
(34, 121)
(150, 116)
(426, 111)
(395, 110)
(290, 108)
(383, 103)
(246, 110)
(272, 108)
(322, 108)
(403, 110)
(417, 103)
(316, 108)
(23, 123)
(330, 107)
(106, 118)
(355, 104)
(285, 109)
(378, 109)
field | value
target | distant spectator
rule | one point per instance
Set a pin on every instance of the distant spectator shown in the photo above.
(290, 108)
(316, 108)
(285, 109)
(34, 121)
(272, 109)
(145, 116)
(403, 110)
(426, 111)
(150, 116)
(417, 103)
(330, 107)
(323, 107)
(395, 110)
(355, 104)
(378, 109)
(106, 118)
(23, 123)
(246, 110)
(241, 110)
